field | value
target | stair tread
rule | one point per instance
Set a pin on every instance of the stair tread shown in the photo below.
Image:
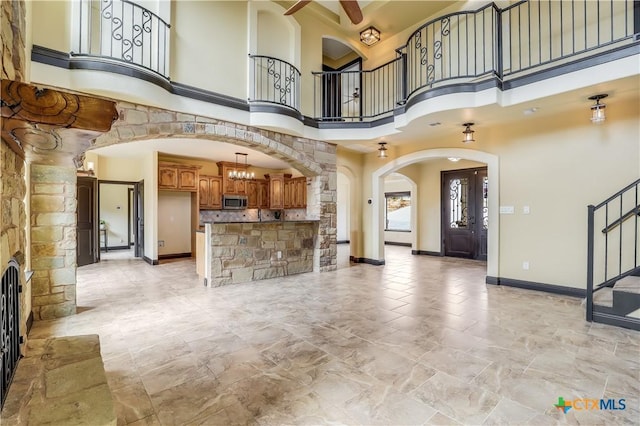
(634, 314)
(603, 297)
(630, 284)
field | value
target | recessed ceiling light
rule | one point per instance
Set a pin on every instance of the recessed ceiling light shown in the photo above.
(530, 111)
(454, 159)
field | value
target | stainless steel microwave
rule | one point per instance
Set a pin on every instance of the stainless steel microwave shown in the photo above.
(234, 202)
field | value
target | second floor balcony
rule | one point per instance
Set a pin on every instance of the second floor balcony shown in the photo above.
(463, 51)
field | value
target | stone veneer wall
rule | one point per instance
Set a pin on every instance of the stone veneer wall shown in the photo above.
(243, 252)
(12, 35)
(53, 240)
(12, 167)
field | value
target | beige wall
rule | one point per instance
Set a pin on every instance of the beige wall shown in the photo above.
(209, 45)
(274, 38)
(114, 200)
(556, 164)
(174, 222)
(349, 163)
(51, 24)
(343, 194)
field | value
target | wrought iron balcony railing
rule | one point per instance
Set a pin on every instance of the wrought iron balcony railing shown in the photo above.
(274, 81)
(124, 32)
(357, 95)
(470, 46)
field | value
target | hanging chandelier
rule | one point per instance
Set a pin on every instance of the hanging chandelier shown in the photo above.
(236, 174)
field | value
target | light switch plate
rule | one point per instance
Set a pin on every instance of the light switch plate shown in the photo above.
(507, 210)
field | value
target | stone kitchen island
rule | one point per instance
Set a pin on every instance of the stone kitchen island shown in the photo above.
(237, 252)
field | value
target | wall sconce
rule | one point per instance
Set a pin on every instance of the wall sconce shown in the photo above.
(468, 133)
(370, 36)
(597, 109)
(382, 151)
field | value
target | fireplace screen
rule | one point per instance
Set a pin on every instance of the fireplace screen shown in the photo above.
(10, 323)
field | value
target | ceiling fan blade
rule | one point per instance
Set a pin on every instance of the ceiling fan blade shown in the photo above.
(352, 10)
(296, 7)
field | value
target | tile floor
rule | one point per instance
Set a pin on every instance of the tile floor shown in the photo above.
(421, 340)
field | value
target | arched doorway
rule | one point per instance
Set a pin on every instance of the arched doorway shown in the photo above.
(375, 245)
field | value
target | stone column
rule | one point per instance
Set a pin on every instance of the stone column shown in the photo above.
(53, 240)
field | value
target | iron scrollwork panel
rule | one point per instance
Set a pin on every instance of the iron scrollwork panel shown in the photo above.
(9, 327)
(458, 206)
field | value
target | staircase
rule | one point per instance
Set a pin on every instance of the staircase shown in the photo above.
(613, 259)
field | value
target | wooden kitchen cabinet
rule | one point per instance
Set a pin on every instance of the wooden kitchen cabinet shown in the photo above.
(263, 194)
(287, 192)
(299, 192)
(230, 186)
(177, 177)
(276, 190)
(210, 192)
(252, 194)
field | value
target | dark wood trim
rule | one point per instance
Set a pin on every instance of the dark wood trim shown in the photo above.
(319, 124)
(392, 243)
(343, 242)
(129, 221)
(153, 262)
(173, 256)
(210, 97)
(118, 248)
(616, 320)
(530, 285)
(426, 253)
(273, 108)
(116, 182)
(366, 260)
(492, 280)
(636, 18)
(449, 90)
(29, 322)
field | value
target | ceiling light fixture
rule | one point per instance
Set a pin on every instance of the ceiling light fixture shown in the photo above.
(597, 109)
(236, 174)
(454, 159)
(468, 133)
(370, 36)
(382, 151)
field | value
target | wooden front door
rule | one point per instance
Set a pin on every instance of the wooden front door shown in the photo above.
(465, 213)
(87, 243)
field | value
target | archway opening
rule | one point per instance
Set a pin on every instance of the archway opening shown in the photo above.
(427, 235)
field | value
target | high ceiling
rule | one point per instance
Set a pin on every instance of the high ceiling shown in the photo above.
(389, 16)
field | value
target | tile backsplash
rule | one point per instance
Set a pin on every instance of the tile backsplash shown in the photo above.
(250, 215)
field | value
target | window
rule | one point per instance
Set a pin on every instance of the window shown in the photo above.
(397, 212)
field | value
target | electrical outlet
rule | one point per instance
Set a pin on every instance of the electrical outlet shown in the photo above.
(279, 254)
(525, 265)
(160, 243)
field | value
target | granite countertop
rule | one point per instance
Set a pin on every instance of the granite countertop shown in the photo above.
(258, 222)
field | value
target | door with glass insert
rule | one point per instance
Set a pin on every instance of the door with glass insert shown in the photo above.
(465, 213)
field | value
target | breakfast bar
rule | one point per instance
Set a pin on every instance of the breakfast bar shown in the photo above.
(237, 252)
